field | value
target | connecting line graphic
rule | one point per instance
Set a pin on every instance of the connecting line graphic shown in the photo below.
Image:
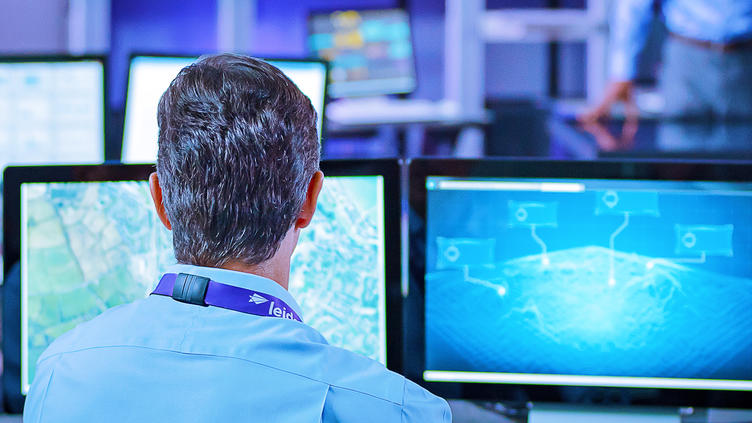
(699, 260)
(529, 214)
(500, 289)
(544, 253)
(612, 270)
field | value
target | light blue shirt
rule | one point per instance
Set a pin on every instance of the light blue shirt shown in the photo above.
(719, 21)
(159, 360)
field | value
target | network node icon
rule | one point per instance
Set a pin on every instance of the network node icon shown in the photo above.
(532, 215)
(501, 290)
(527, 214)
(711, 240)
(456, 253)
(636, 203)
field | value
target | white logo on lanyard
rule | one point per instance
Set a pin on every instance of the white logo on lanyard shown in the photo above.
(257, 299)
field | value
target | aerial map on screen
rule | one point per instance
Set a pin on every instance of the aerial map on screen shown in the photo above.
(89, 246)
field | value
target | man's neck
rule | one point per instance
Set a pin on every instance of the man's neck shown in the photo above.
(276, 268)
(278, 272)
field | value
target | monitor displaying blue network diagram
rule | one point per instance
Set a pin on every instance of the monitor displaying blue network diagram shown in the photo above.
(51, 111)
(90, 246)
(589, 282)
(149, 77)
(370, 51)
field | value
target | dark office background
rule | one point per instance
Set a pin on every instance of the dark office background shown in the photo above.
(190, 26)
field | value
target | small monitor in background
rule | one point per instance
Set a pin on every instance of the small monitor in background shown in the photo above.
(51, 111)
(149, 77)
(370, 51)
(88, 239)
(628, 276)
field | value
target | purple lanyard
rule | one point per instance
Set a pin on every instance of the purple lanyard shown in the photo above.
(202, 291)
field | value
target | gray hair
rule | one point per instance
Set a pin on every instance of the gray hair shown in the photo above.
(237, 149)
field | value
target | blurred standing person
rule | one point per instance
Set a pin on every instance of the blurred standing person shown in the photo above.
(707, 59)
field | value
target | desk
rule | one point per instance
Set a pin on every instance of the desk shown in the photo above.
(409, 117)
(655, 138)
(549, 129)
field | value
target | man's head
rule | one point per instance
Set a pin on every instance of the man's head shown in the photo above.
(238, 163)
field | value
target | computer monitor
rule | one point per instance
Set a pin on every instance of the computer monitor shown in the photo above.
(579, 281)
(149, 77)
(87, 239)
(51, 111)
(370, 51)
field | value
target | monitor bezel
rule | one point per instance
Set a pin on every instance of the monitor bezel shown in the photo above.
(15, 176)
(518, 394)
(62, 58)
(137, 54)
(328, 11)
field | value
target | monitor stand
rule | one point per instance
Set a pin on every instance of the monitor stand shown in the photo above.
(555, 413)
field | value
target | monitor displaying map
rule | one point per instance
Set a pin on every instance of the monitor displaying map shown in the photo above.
(150, 76)
(90, 246)
(50, 112)
(589, 282)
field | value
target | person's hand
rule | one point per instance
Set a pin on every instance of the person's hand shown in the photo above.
(612, 142)
(590, 121)
(620, 91)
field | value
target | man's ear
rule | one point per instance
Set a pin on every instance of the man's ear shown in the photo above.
(312, 197)
(156, 195)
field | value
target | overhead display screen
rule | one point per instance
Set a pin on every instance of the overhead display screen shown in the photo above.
(150, 76)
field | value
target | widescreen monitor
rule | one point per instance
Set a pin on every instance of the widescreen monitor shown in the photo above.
(149, 77)
(551, 281)
(370, 51)
(51, 111)
(87, 239)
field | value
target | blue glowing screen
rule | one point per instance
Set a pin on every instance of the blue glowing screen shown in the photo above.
(589, 277)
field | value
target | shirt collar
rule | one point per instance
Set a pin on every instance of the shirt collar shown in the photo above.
(239, 279)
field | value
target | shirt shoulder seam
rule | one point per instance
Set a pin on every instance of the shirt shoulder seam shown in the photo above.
(400, 404)
(44, 397)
